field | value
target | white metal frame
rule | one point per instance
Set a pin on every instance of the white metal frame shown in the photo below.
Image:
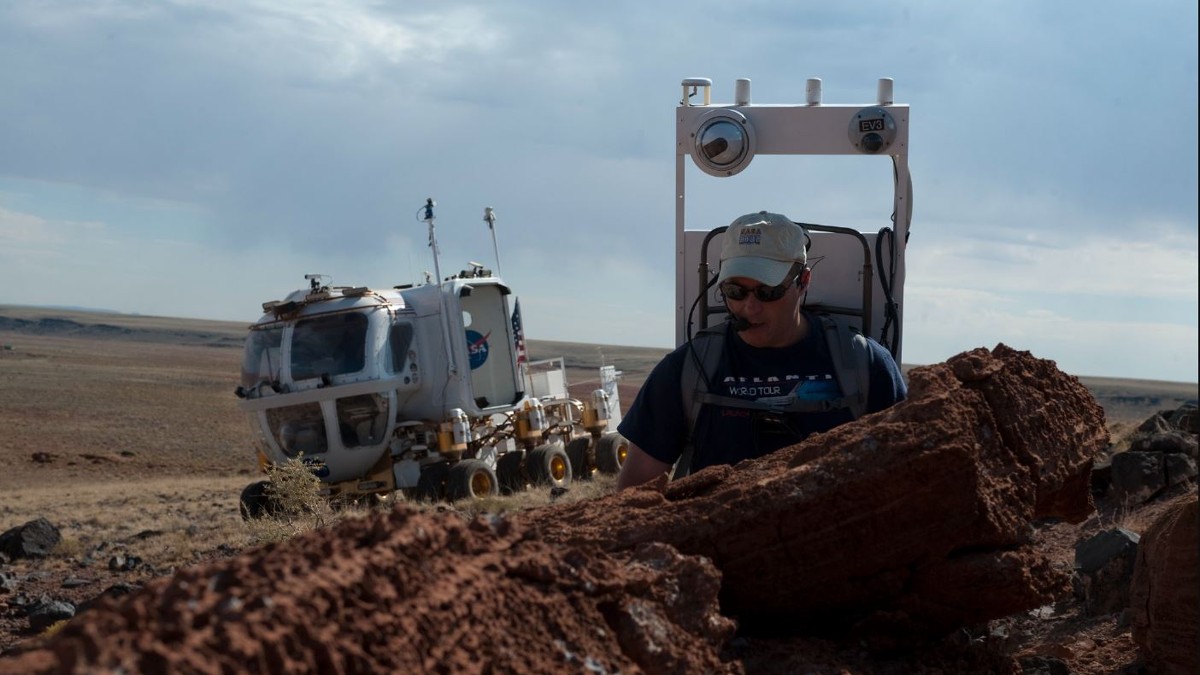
(811, 128)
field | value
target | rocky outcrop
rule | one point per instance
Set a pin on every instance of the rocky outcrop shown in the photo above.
(1166, 589)
(910, 522)
(1161, 454)
(915, 518)
(408, 592)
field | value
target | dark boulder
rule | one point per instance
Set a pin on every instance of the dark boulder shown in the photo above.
(43, 615)
(35, 539)
(1103, 570)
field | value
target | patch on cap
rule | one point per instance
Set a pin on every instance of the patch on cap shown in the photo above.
(762, 246)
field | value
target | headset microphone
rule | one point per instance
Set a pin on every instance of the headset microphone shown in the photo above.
(739, 323)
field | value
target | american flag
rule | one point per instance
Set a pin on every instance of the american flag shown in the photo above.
(518, 333)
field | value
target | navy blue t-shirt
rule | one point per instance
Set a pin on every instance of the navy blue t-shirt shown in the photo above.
(656, 421)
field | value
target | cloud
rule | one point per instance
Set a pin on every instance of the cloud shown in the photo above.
(1124, 306)
(942, 322)
(1149, 260)
(25, 233)
(236, 145)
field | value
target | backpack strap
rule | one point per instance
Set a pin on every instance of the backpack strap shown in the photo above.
(708, 344)
(850, 353)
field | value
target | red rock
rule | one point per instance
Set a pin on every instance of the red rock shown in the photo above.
(408, 592)
(1165, 593)
(924, 508)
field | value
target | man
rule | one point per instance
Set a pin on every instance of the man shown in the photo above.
(772, 351)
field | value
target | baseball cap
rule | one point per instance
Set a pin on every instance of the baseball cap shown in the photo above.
(762, 246)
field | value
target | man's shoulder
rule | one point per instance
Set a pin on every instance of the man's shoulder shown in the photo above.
(878, 352)
(857, 346)
(825, 326)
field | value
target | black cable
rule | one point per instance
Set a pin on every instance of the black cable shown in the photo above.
(887, 277)
(891, 314)
(908, 198)
(691, 346)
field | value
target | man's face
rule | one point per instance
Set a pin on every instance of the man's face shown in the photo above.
(772, 324)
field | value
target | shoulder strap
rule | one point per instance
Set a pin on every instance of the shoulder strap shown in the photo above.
(698, 368)
(851, 366)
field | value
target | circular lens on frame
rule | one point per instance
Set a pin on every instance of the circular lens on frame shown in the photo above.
(872, 142)
(722, 142)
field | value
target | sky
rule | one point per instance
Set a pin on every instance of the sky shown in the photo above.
(196, 159)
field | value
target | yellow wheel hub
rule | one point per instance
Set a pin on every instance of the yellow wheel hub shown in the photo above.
(481, 484)
(558, 468)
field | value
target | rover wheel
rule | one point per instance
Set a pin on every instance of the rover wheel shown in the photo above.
(611, 450)
(256, 501)
(577, 452)
(431, 484)
(471, 479)
(549, 465)
(509, 472)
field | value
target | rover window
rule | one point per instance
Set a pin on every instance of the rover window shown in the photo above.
(400, 339)
(334, 344)
(299, 429)
(362, 420)
(260, 361)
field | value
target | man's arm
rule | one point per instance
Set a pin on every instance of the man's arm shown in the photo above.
(887, 386)
(639, 467)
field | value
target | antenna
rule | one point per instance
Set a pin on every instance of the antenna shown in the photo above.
(314, 281)
(489, 217)
(428, 218)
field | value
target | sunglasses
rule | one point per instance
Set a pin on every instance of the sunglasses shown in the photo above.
(763, 293)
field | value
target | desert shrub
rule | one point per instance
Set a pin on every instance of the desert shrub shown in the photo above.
(297, 504)
(296, 492)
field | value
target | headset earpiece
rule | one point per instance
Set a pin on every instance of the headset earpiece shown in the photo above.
(803, 278)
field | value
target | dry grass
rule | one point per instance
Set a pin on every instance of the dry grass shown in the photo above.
(1136, 520)
(532, 498)
(168, 521)
(1121, 435)
(119, 408)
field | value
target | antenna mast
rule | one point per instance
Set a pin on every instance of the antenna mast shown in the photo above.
(429, 204)
(489, 217)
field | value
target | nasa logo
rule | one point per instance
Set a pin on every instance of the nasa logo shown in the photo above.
(318, 466)
(750, 235)
(477, 348)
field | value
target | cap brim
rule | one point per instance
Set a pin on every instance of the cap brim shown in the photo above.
(763, 270)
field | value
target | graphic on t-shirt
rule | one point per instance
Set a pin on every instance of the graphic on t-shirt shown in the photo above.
(818, 389)
(808, 388)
